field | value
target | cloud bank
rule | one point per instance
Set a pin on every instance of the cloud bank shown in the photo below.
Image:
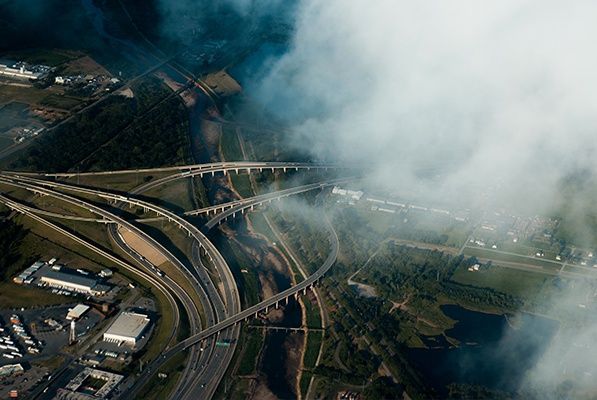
(452, 97)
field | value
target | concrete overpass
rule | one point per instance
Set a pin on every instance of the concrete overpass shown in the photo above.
(196, 169)
(251, 202)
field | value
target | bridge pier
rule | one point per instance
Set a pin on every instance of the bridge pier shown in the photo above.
(277, 305)
(252, 207)
(213, 173)
(236, 170)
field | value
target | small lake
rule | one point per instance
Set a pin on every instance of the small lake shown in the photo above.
(492, 353)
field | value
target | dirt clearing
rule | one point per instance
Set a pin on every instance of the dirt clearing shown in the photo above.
(141, 246)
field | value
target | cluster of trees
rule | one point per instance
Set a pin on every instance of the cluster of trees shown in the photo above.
(161, 138)
(308, 236)
(382, 388)
(10, 237)
(71, 142)
(422, 235)
(119, 132)
(479, 296)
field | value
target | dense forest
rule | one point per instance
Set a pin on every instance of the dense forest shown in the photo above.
(147, 130)
(10, 236)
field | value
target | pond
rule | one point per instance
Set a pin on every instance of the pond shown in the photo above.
(491, 352)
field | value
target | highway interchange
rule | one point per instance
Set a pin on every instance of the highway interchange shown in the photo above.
(206, 363)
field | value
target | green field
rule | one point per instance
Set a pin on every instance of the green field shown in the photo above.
(5, 142)
(51, 57)
(518, 283)
(60, 101)
(175, 196)
(13, 295)
(314, 339)
(158, 388)
(252, 341)
(312, 313)
(497, 256)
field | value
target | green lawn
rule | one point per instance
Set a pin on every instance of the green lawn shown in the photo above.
(252, 342)
(312, 313)
(13, 295)
(314, 339)
(517, 283)
(494, 255)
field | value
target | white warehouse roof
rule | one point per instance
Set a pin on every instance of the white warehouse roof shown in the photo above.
(77, 311)
(128, 327)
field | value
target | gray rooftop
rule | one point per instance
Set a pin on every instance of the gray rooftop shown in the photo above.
(129, 324)
(67, 277)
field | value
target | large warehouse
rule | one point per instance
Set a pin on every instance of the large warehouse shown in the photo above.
(75, 283)
(127, 329)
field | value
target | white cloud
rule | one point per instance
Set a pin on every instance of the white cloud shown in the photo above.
(477, 92)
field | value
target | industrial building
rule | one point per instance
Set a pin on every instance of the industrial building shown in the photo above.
(14, 69)
(127, 329)
(90, 384)
(77, 312)
(73, 282)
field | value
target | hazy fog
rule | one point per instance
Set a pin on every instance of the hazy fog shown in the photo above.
(475, 102)
(448, 95)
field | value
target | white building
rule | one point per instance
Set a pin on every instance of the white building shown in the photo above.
(77, 312)
(72, 282)
(20, 70)
(127, 329)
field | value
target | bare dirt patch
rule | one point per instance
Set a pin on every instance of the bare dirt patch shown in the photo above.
(142, 247)
(211, 132)
(222, 83)
(85, 65)
(262, 392)
(128, 93)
